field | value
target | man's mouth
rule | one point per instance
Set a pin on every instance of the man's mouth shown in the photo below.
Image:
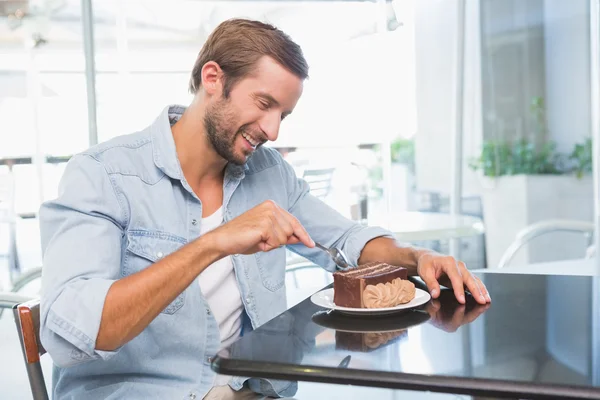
(250, 140)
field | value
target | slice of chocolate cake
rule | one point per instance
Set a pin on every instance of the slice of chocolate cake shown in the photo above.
(373, 285)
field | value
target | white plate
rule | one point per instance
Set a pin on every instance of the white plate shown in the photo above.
(324, 298)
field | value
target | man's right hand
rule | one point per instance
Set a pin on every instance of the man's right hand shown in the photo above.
(262, 228)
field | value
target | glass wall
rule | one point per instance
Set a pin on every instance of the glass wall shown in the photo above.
(526, 123)
(536, 152)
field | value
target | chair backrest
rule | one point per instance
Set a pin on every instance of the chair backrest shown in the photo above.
(319, 181)
(536, 229)
(27, 318)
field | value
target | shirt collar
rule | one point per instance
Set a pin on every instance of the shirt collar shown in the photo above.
(165, 153)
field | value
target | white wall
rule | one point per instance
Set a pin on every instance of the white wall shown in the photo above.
(567, 48)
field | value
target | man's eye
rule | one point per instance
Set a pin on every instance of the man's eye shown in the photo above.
(263, 105)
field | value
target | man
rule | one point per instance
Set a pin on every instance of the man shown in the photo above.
(166, 245)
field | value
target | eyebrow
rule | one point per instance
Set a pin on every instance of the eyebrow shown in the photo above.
(272, 101)
(269, 98)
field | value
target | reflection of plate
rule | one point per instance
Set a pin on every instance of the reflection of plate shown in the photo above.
(364, 324)
(324, 298)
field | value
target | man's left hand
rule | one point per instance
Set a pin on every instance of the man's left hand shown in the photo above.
(436, 269)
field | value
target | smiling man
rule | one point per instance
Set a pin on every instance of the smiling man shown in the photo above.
(168, 244)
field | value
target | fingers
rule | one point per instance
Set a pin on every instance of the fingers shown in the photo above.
(428, 275)
(436, 269)
(484, 290)
(286, 228)
(278, 236)
(300, 233)
(293, 240)
(293, 228)
(472, 284)
(451, 268)
(475, 286)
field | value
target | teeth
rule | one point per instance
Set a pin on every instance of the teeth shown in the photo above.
(248, 138)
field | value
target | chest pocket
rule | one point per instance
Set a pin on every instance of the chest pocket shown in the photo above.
(144, 248)
(271, 266)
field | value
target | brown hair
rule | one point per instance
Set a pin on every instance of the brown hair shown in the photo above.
(237, 44)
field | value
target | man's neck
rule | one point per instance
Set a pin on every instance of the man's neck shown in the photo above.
(199, 162)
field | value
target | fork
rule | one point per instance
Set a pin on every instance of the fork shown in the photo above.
(337, 255)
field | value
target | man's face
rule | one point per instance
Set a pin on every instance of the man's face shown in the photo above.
(257, 104)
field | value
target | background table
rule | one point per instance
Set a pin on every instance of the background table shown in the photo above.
(416, 225)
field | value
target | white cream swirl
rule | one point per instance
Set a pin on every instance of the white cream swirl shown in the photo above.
(390, 294)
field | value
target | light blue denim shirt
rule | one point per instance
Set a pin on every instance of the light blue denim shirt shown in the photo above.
(124, 204)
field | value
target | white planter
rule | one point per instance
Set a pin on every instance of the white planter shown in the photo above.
(511, 203)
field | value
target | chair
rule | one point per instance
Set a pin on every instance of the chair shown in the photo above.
(539, 228)
(27, 318)
(9, 299)
(21, 282)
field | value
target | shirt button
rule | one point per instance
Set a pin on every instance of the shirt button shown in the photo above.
(194, 222)
(192, 396)
(159, 254)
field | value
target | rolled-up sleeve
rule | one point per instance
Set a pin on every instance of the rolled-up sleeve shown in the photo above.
(325, 225)
(81, 235)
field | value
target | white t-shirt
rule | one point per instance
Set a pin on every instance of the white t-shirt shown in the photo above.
(219, 286)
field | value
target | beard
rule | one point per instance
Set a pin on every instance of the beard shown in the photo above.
(219, 123)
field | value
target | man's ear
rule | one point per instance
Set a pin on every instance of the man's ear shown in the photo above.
(212, 79)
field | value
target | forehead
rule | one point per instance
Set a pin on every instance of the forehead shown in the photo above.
(270, 77)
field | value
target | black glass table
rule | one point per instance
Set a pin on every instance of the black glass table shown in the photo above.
(536, 340)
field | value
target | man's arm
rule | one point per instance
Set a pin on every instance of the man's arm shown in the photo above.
(134, 301)
(81, 235)
(384, 249)
(432, 267)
